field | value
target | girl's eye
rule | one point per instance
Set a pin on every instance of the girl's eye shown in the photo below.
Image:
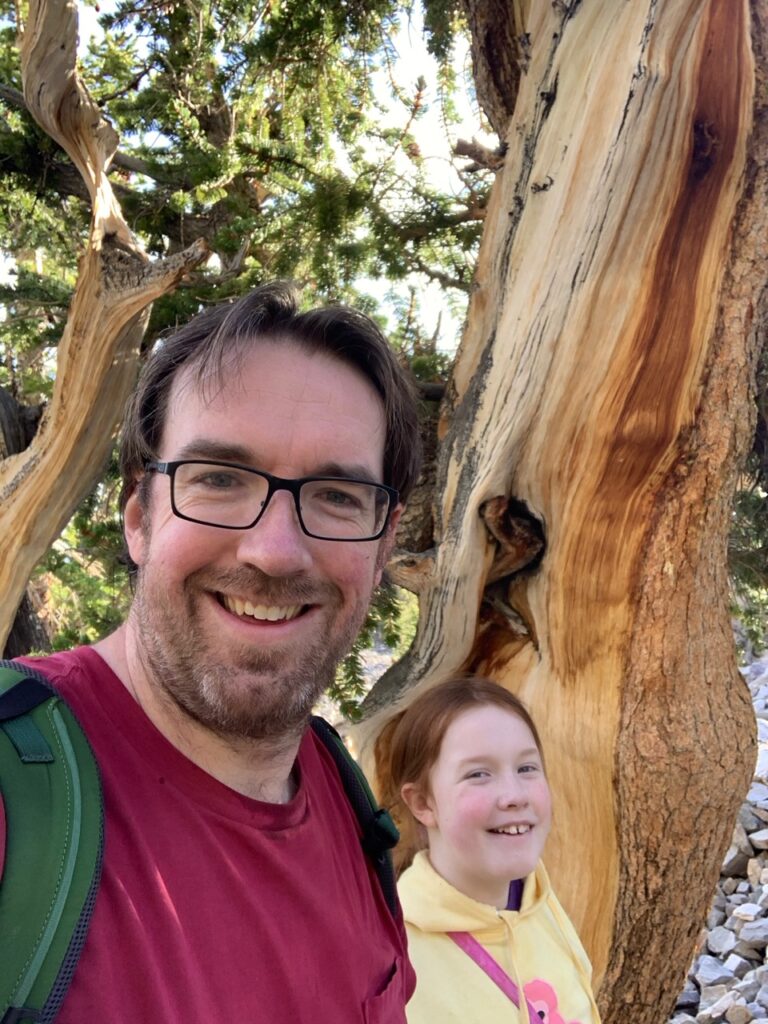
(527, 768)
(478, 773)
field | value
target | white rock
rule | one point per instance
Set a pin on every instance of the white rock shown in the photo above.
(748, 987)
(739, 1013)
(754, 933)
(749, 952)
(738, 965)
(759, 839)
(715, 918)
(748, 912)
(721, 941)
(762, 997)
(761, 767)
(711, 997)
(718, 1009)
(711, 972)
(689, 998)
(754, 867)
(758, 792)
(740, 848)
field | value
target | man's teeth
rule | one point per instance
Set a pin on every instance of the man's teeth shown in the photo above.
(513, 830)
(264, 612)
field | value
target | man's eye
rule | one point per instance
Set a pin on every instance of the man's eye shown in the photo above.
(216, 481)
(339, 499)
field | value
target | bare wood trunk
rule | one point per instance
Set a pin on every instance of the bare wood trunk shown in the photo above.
(27, 632)
(603, 382)
(98, 353)
(18, 424)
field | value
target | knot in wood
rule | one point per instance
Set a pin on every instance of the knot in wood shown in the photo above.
(706, 143)
(518, 533)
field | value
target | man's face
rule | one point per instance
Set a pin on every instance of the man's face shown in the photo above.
(243, 629)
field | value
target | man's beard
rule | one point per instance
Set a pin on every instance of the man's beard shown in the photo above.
(243, 692)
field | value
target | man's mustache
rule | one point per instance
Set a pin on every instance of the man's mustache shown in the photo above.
(253, 584)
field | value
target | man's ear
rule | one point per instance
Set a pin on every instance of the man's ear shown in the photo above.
(419, 804)
(387, 543)
(134, 516)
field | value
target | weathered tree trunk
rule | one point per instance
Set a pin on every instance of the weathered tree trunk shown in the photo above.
(603, 385)
(97, 356)
(18, 424)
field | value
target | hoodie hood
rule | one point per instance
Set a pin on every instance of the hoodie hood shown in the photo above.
(434, 905)
(536, 946)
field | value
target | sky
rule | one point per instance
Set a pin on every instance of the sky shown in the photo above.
(435, 142)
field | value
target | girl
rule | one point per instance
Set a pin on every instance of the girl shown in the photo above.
(487, 936)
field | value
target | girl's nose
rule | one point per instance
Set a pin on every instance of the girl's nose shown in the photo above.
(512, 793)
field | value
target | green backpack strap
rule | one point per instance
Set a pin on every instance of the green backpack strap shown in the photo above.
(379, 830)
(50, 792)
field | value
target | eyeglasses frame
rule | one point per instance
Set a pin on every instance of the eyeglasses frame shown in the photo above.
(275, 483)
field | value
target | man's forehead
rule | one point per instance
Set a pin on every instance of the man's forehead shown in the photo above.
(211, 378)
(278, 393)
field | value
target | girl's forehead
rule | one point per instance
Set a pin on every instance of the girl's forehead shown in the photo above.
(485, 726)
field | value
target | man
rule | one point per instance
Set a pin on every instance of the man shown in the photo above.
(265, 456)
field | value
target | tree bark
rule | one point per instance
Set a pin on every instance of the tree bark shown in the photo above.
(98, 353)
(27, 632)
(18, 424)
(601, 401)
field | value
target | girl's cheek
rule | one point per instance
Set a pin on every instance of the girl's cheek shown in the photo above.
(475, 805)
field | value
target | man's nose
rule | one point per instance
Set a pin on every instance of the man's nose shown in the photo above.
(276, 544)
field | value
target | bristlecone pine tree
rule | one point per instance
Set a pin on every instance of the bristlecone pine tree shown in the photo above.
(243, 128)
(598, 411)
(41, 483)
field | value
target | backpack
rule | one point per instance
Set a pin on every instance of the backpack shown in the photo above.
(52, 840)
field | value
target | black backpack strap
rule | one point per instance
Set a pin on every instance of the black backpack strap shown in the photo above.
(51, 797)
(379, 830)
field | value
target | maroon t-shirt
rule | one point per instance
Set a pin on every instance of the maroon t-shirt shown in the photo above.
(214, 907)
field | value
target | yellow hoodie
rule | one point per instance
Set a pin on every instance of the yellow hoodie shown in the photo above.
(537, 946)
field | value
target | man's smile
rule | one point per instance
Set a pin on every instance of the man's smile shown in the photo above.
(268, 613)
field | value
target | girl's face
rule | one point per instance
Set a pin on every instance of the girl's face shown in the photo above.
(488, 809)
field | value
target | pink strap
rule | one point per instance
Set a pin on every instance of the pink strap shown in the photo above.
(495, 972)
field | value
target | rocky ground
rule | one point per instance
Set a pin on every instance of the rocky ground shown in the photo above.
(728, 980)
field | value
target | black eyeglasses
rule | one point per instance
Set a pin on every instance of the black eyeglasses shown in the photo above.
(236, 497)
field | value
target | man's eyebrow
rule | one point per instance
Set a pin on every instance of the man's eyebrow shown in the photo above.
(356, 471)
(221, 451)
